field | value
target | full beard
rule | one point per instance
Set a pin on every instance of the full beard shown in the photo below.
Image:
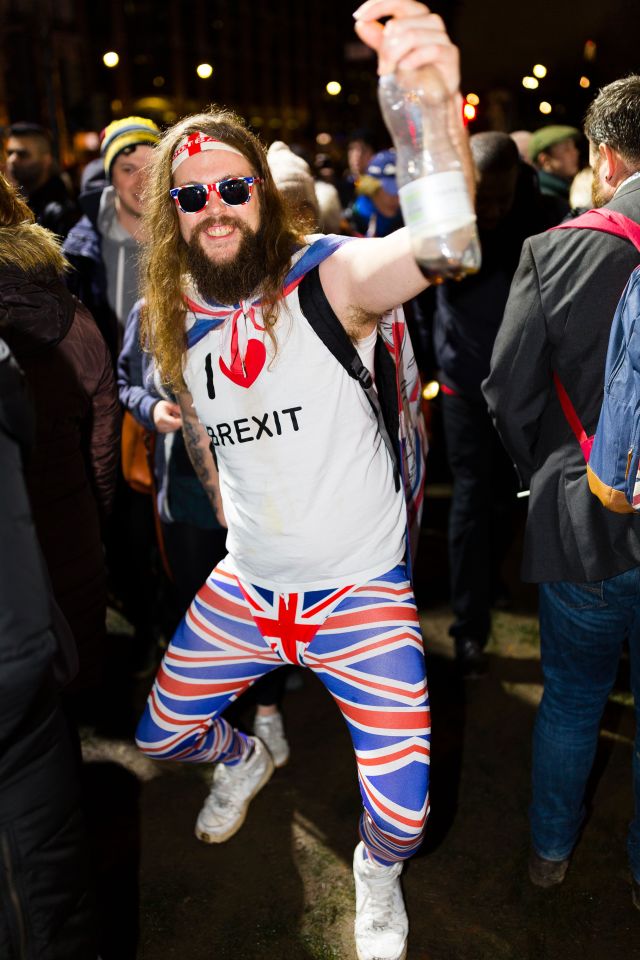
(227, 282)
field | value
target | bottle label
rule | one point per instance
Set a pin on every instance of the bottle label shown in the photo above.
(438, 203)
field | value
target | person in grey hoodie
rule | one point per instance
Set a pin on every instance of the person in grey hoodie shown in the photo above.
(103, 246)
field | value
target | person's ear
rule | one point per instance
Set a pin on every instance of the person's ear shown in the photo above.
(607, 160)
(544, 161)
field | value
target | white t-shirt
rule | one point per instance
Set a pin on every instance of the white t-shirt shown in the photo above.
(306, 480)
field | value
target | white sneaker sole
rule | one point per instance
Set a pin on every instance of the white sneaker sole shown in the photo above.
(367, 956)
(278, 764)
(206, 837)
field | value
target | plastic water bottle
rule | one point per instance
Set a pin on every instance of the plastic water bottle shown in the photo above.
(434, 199)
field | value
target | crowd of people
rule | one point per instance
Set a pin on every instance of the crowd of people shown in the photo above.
(181, 441)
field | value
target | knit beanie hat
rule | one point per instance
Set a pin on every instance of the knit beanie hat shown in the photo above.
(127, 132)
(292, 175)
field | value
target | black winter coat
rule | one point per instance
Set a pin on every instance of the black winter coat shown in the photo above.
(71, 473)
(45, 909)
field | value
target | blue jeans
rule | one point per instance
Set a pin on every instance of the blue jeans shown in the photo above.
(582, 630)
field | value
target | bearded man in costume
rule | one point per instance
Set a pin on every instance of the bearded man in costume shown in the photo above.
(316, 571)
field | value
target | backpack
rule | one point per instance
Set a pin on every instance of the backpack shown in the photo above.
(612, 454)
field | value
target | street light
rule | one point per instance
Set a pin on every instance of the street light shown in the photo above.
(111, 59)
(473, 99)
(539, 71)
(333, 88)
(204, 70)
(545, 107)
(529, 83)
(585, 83)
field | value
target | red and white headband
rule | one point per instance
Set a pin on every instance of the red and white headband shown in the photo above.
(196, 143)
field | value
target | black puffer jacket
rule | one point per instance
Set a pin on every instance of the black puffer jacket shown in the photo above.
(45, 911)
(71, 473)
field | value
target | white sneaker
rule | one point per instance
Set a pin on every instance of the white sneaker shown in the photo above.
(271, 732)
(232, 789)
(381, 926)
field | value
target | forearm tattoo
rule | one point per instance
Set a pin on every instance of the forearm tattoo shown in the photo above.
(201, 459)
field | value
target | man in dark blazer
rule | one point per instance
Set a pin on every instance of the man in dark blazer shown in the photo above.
(585, 559)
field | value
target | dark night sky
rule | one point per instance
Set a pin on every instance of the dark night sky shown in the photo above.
(501, 40)
(289, 49)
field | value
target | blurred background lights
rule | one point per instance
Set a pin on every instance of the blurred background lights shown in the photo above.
(473, 99)
(585, 83)
(431, 390)
(469, 111)
(111, 59)
(323, 139)
(539, 71)
(204, 70)
(333, 88)
(545, 107)
(590, 50)
(530, 83)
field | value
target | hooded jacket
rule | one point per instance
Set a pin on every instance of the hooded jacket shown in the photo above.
(71, 472)
(104, 258)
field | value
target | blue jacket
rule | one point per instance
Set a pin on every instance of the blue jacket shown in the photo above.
(180, 494)
(88, 278)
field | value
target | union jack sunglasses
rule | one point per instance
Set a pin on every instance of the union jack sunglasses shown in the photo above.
(193, 197)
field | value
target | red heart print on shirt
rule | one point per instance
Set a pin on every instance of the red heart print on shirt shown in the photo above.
(247, 372)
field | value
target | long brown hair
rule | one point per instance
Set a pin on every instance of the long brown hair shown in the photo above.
(162, 327)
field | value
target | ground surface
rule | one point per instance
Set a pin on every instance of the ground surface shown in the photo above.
(281, 889)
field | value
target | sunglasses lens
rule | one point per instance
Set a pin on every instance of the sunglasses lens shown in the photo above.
(234, 192)
(193, 198)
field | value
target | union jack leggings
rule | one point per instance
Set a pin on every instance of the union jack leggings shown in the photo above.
(363, 642)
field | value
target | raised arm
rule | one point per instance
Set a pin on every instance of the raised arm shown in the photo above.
(366, 278)
(198, 447)
(412, 39)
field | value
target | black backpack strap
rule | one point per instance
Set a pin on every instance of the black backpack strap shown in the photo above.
(320, 316)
